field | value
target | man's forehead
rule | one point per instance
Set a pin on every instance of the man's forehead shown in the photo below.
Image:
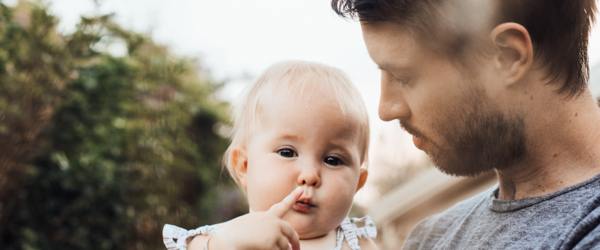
(390, 45)
(387, 34)
(375, 27)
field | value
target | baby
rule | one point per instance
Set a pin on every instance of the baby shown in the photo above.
(299, 152)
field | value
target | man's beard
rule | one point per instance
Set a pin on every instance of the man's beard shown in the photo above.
(477, 137)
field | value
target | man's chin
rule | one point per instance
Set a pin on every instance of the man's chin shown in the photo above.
(462, 172)
(451, 164)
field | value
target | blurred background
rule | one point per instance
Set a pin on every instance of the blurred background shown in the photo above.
(114, 116)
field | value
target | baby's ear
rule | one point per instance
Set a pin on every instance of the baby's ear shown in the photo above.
(239, 159)
(363, 178)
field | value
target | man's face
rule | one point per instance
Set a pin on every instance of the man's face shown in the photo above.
(447, 111)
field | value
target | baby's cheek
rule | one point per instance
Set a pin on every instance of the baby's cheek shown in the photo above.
(267, 191)
(342, 199)
(338, 210)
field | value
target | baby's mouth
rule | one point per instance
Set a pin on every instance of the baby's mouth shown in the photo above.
(304, 205)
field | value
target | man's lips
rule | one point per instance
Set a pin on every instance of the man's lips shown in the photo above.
(418, 138)
(419, 142)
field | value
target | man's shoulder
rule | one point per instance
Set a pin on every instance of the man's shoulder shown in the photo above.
(439, 224)
(471, 203)
(462, 208)
(569, 217)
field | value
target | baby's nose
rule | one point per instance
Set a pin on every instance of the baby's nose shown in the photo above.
(309, 182)
(309, 177)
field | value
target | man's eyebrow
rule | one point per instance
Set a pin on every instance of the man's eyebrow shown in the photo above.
(388, 67)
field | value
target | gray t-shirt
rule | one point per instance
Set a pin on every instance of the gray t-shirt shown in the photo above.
(566, 219)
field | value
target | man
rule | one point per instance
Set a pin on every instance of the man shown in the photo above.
(495, 85)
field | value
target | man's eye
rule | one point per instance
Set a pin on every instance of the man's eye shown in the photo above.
(333, 161)
(287, 153)
(400, 81)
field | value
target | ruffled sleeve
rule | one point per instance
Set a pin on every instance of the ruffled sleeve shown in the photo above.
(177, 238)
(352, 232)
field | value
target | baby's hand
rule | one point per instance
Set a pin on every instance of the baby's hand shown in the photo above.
(258, 230)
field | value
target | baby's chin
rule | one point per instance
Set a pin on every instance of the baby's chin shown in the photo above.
(308, 230)
(314, 234)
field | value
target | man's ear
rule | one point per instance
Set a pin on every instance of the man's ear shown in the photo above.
(363, 178)
(515, 51)
(239, 159)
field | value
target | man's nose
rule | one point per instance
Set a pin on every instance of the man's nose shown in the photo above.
(310, 176)
(392, 102)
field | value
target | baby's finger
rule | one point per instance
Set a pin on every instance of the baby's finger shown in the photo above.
(292, 236)
(280, 209)
(282, 243)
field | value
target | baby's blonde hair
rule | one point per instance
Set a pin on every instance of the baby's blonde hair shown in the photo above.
(302, 78)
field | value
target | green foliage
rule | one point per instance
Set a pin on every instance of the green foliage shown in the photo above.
(131, 144)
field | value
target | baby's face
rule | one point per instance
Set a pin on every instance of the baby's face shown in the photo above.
(304, 143)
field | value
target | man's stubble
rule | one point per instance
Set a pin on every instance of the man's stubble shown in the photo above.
(477, 137)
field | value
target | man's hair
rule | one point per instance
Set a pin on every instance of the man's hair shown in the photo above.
(301, 79)
(559, 29)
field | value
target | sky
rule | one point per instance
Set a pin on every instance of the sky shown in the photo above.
(237, 38)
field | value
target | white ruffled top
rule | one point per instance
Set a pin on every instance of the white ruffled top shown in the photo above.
(176, 238)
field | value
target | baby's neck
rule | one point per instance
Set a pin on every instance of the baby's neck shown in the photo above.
(325, 242)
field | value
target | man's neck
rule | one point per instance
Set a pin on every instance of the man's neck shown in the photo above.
(563, 149)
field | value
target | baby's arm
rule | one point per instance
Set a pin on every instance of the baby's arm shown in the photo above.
(257, 230)
(367, 244)
(198, 242)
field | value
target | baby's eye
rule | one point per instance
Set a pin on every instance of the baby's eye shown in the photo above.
(333, 161)
(286, 152)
